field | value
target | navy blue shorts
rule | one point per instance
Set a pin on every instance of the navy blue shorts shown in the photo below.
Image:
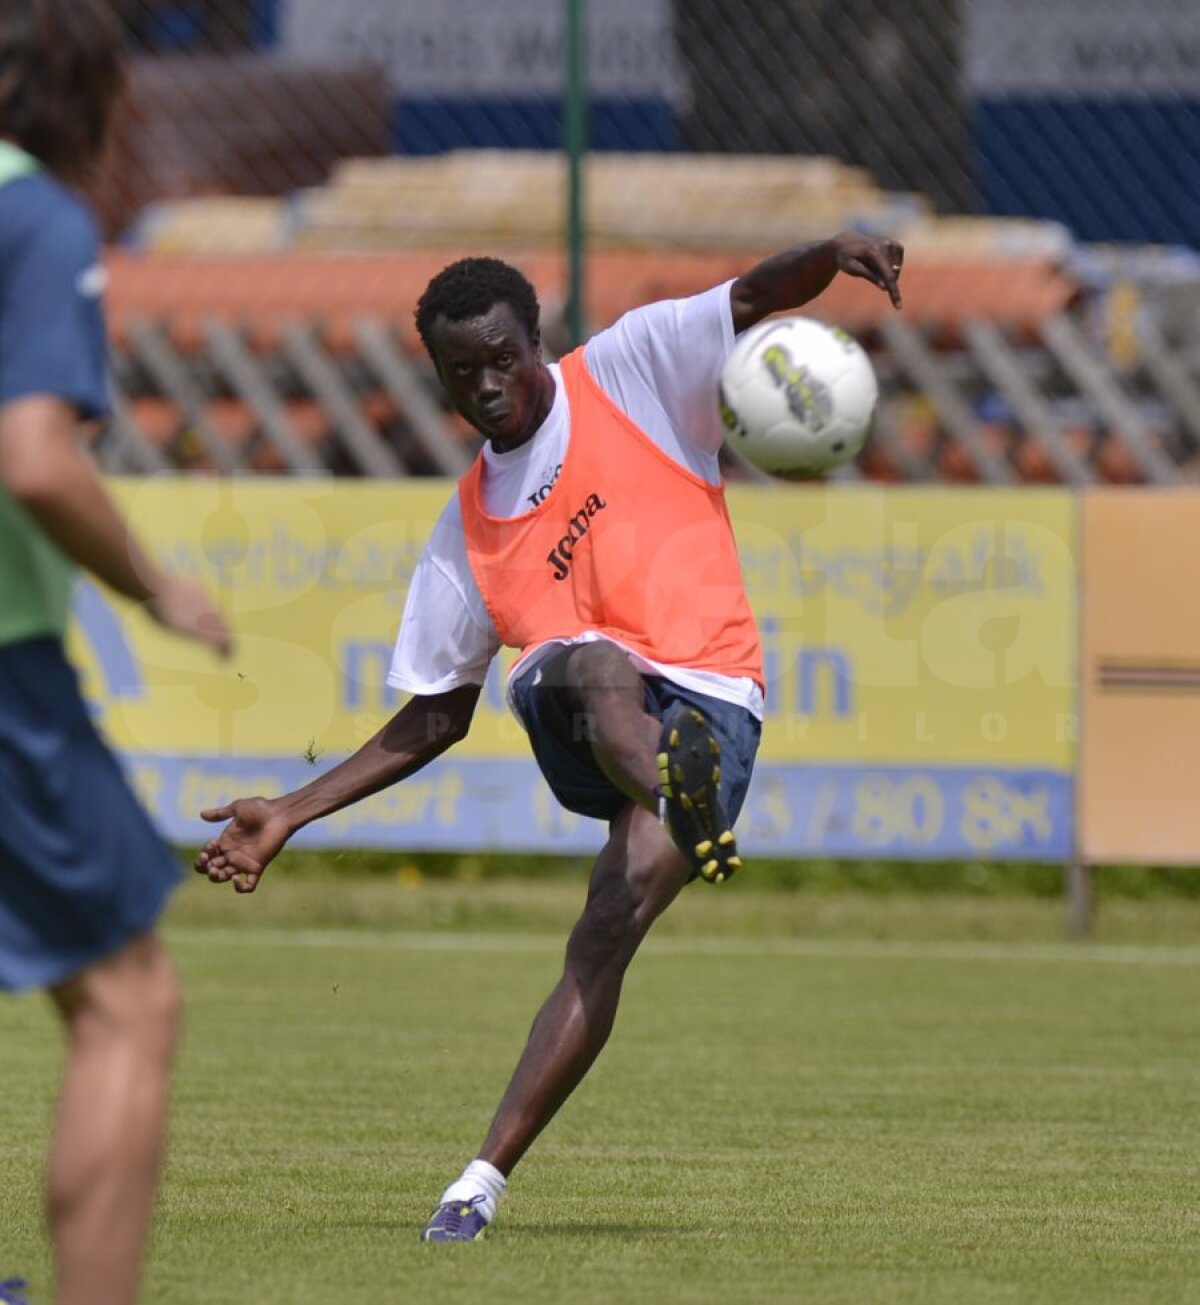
(82, 869)
(565, 758)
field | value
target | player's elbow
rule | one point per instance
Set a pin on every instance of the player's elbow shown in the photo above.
(746, 305)
(36, 446)
(448, 720)
(30, 480)
(458, 729)
(443, 730)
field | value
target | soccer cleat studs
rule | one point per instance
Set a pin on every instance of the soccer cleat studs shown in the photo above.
(690, 773)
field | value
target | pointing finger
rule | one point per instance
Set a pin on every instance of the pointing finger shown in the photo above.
(868, 271)
(888, 275)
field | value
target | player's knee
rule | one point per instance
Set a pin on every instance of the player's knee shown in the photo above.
(160, 1008)
(163, 1001)
(613, 925)
(654, 876)
(602, 666)
(606, 935)
(136, 994)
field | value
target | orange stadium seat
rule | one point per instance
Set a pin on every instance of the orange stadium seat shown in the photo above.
(955, 464)
(159, 420)
(1033, 462)
(261, 293)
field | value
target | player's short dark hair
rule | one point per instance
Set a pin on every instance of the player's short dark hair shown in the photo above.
(472, 287)
(61, 70)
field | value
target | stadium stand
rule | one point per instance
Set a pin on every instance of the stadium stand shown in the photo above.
(201, 125)
(275, 333)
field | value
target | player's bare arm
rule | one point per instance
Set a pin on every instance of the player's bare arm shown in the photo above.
(796, 276)
(43, 468)
(259, 827)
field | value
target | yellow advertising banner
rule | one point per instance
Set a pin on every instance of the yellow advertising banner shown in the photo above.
(919, 653)
(1141, 676)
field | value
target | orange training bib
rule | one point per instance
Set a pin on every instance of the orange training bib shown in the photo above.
(627, 543)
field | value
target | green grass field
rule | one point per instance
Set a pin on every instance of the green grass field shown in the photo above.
(807, 1099)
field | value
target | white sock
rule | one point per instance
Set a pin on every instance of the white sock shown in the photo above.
(478, 1179)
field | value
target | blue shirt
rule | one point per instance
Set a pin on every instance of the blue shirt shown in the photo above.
(52, 342)
(52, 337)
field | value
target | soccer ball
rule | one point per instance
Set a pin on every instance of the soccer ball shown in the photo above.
(798, 397)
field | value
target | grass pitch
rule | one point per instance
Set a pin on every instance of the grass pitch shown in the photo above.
(894, 1102)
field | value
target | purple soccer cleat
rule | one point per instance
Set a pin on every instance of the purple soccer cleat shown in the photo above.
(456, 1221)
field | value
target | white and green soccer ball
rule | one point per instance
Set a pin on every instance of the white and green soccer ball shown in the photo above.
(798, 397)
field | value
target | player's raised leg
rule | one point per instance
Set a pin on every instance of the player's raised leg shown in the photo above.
(606, 698)
(671, 766)
(122, 1016)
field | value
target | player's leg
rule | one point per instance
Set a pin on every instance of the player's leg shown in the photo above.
(606, 694)
(122, 1014)
(674, 757)
(83, 879)
(573, 713)
(637, 875)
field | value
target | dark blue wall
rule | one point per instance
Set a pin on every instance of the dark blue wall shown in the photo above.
(1111, 169)
(429, 126)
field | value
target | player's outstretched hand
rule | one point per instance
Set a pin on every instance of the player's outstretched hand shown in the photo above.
(184, 607)
(872, 258)
(256, 832)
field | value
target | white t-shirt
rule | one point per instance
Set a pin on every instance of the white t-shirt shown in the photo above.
(659, 365)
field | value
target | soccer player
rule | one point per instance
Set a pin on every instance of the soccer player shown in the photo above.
(590, 533)
(83, 875)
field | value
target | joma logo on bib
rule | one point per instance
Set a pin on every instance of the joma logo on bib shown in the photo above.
(560, 555)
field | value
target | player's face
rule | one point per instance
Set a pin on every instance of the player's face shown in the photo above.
(492, 370)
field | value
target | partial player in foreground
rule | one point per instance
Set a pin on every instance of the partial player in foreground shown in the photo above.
(590, 533)
(83, 875)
